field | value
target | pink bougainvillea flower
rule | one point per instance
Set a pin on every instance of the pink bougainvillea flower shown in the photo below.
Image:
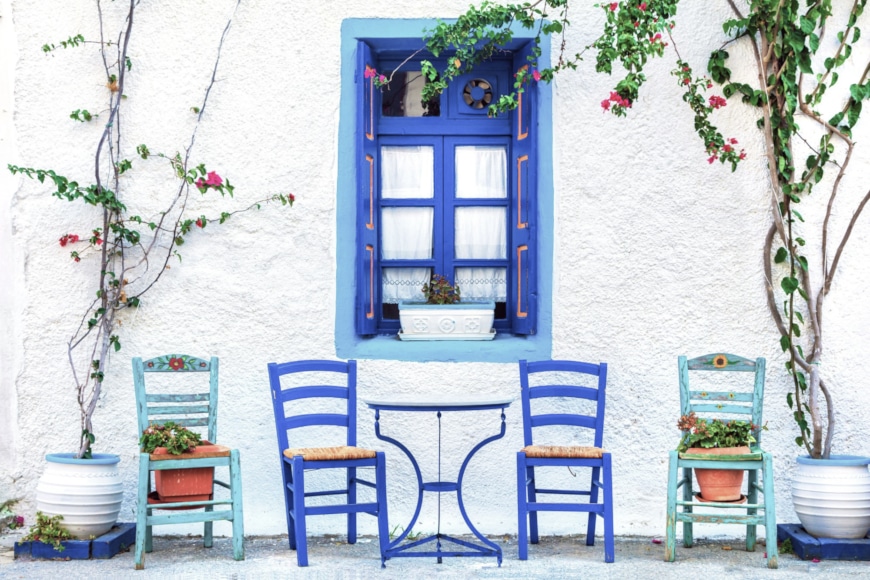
(742, 154)
(292, 197)
(200, 223)
(657, 37)
(536, 75)
(213, 179)
(733, 141)
(605, 104)
(717, 102)
(614, 6)
(176, 364)
(712, 159)
(370, 72)
(642, 6)
(636, 23)
(200, 184)
(727, 148)
(382, 79)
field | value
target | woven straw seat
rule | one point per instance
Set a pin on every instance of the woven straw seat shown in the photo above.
(340, 453)
(571, 451)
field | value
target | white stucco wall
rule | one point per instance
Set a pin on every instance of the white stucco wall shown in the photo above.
(657, 254)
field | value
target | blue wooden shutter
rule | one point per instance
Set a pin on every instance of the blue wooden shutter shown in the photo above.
(368, 271)
(523, 293)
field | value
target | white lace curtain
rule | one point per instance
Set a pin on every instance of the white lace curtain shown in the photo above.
(407, 172)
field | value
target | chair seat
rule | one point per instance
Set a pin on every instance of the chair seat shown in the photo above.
(563, 451)
(340, 453)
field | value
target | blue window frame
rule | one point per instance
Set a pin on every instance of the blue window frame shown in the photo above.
(372, 126)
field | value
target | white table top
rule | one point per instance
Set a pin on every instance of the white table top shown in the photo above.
(433, 403)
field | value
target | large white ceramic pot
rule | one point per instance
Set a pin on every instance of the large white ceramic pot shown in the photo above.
(832, 496)
(86, 492)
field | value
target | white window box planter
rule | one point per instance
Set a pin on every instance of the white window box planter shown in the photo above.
(463, 321)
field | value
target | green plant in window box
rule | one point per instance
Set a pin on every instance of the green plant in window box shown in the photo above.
(439, 290)
(710, 433)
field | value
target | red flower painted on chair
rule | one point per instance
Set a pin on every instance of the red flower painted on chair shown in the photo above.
(176, 364)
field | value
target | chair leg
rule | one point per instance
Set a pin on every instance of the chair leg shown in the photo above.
(299, 512)
(142, 512)
(238, 511)
(688, 490)
(769, 512)
(593, 499)
(351, 499)
(609, 549)
(671, 534)
(208, 528)
(287, 482)
(533, 498)
(383, 519)
(751, 498)
(522, 508)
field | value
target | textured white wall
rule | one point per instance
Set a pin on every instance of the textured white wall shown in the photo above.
(657, 254)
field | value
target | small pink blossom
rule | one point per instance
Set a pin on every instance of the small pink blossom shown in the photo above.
(716, 102)
(382, 79)
(727, 148)
(636, 23)
(536, 75)
(642, 6)
(733, 141)
(200, 184)
(213, 179)
(370, 72)
(614, 6)
(200, 223)
(605, 104)
(712, 159)
(655, 38)
(742, 154)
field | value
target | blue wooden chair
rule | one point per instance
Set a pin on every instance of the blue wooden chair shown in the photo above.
(315, 379)
(734, 404)
(564, 380)
(189, 410)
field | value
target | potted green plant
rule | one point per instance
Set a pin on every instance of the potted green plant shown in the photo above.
(443, 316)
(176, 441)
(716, 437)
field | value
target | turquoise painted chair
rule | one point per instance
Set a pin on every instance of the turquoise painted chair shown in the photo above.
(728, 404)
(560, 381)
(189, 409)
(308, 382)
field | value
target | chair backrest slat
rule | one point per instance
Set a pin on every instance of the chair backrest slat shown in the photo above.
(564, 391)
(313, 392)
(721, 403)
(564, 379)
(288, 399)
(563, 419)
(186, 409)
(176, 410)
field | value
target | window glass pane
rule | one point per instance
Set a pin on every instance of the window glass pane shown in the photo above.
(406, 233)
(481, 172)
(404, 284)
(403, 97)
(482, 283)
(407, 172)
(480, 233)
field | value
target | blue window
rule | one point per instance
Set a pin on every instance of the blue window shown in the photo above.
(440, 187)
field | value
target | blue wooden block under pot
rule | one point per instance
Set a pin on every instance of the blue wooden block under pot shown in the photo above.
(807, 547)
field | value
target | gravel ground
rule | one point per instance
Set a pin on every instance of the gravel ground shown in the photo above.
(329, 557)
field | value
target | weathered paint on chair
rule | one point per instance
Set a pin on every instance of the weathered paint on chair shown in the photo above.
(601, 477)
(293, 468)
(734, 405)
(189, 410)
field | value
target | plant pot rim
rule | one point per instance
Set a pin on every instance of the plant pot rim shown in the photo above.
(834, 460)
(70, 458)
(464, 304)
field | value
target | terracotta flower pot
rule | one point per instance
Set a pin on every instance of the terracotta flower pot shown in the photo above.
(720, 484)
(185, 484)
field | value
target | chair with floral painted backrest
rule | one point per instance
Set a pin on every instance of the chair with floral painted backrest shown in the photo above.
(550, 389)
(730, 401)
(321, 394)
(186, 405)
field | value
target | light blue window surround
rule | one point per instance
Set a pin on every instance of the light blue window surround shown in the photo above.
(507, 347)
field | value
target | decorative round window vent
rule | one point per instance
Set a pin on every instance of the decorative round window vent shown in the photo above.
(477, 93)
